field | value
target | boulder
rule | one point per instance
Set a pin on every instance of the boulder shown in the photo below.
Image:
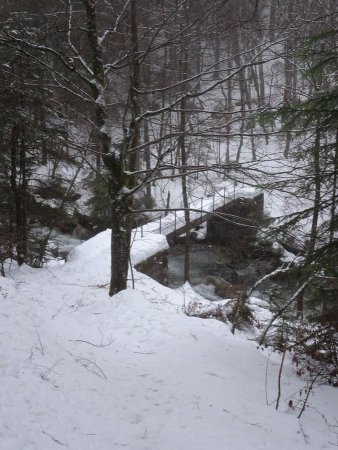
(224, 289)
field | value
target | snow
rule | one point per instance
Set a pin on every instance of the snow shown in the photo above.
(85, 371)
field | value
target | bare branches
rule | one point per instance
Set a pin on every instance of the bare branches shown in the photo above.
(294, 297)
(113, 29)
(278, 271)
(77, 55)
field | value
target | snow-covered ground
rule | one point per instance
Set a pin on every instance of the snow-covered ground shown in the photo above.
(87, 372)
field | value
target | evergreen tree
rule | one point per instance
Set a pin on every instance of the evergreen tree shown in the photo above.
(313, 123)
(33, 136)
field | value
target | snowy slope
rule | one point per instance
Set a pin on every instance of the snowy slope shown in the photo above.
(85, 372)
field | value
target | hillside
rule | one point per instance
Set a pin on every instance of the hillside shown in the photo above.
(82, 371)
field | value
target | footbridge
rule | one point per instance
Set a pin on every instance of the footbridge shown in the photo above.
(228, 215)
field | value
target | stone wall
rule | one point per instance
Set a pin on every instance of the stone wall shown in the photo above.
(236, 225)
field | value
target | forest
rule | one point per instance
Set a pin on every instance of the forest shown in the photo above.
(105, 102)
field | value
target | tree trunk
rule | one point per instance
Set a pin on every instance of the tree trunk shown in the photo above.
(147, 157)
(315, 216)
(120, 247)
(184, 157)
(316, 203)
(118, 181)
(134, 128)
(187, 242)
(19, 192)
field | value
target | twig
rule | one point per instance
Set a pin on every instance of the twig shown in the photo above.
(193, 335)
(91, 343)
(146, 353)
(58, 310)
(266, 380)
(44, 374)
(132, 273)
(279, 379)
(277, 271)
(308, 393)
(305, 436)
(84, 362)
(39, 339)
(54, 439)
(145, 433)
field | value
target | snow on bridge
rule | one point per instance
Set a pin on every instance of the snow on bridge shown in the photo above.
(173, 223)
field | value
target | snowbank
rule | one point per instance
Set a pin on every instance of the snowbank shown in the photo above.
(83, 371)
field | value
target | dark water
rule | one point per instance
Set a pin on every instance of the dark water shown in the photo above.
(208, 259)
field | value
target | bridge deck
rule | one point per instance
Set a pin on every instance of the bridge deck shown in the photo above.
(173, 224)
(220, 212)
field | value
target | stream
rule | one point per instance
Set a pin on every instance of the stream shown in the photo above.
(208, 259)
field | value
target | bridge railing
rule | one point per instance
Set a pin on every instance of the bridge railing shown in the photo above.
(174, 219)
